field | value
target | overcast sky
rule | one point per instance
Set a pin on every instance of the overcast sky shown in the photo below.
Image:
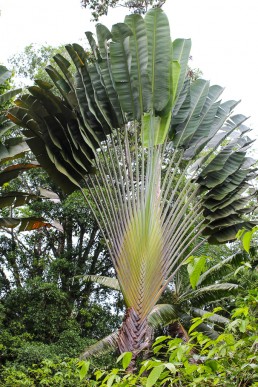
(224, 37)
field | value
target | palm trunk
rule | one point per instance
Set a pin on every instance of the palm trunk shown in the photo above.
(134, 336)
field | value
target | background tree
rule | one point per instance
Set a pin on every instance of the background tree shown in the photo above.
(99, 9)
(31, 62)
(43, 296)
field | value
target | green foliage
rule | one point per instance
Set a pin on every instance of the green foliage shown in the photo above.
(42, 309)
(31, 62)
(63, 373)
(229, 360)
(100, 8)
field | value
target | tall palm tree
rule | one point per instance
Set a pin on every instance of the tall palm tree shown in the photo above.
(161, 162)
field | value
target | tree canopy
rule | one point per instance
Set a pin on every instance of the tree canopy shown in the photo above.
(99, 9)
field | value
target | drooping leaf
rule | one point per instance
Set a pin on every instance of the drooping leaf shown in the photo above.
(215, 318)
(210, 293)
(28, 224)
(15, 199)
(103, 346)
(13, 171)
(48, 194)
(13, 148)
(106, 281)
(216, 272)
(162, 314)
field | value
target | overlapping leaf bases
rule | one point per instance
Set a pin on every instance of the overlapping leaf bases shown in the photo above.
(163, 159)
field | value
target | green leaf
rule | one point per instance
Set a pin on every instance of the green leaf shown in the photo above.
(195, 268)
(246, 237)
(28, 224)
(16, 199)
(180, 352)
(160, 339)
(103, 346)
(246, 240)
(13, 148)
(84, 369)
(139, 61)
(159, 57)
(8, 95)
(197, 322)
(155, 128)
(111, 379)
(181, 52)
(198, 94)
(126, 358)
(171, 367)
(154, 375)
(9, 222)
(103, 35)
(120, 58)
(4, 74)
(176, 71)
(241, 311)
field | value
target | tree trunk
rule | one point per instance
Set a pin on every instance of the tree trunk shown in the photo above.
(134, 336)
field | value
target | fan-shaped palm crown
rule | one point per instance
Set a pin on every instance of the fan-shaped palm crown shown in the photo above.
(163, 160)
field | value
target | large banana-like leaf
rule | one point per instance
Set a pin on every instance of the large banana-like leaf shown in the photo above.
(15, 199)
(28, 224)
(165, 314)
(5, 74)
(181, 52)
(159, 57)
(12, 148)
(8, 95)
(13, 171)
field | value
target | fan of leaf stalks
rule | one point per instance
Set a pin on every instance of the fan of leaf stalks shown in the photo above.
(161, 162)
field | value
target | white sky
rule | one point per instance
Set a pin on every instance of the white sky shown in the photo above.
(224, 37)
